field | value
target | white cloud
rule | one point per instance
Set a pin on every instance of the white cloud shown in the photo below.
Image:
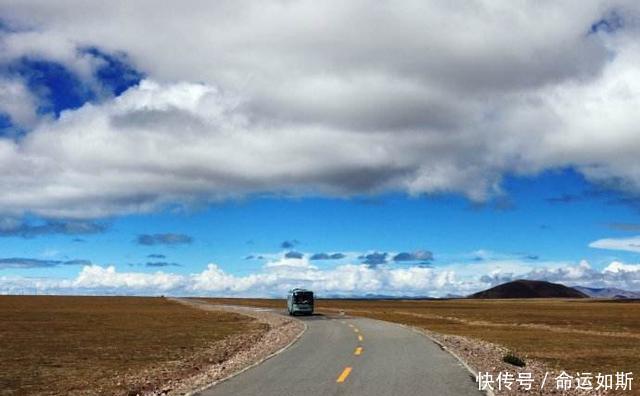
(616, 274)
(626, 244)
(286, 263)
(441, 99)
(97, 277)
(618, 267)
(278, 276)
(18, 103)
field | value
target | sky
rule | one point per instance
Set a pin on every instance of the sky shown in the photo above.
(365, 149)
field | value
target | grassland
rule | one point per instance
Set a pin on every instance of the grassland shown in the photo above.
(103, 345)
(579, 335)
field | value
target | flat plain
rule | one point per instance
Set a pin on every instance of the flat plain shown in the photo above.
(107, 345)
(122, 345)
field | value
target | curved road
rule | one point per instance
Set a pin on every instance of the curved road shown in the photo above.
(340, 355)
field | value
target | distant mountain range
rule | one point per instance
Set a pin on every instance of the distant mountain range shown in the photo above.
(607, 292)
(522, 288)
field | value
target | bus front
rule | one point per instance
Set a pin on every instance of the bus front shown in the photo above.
(301, 302)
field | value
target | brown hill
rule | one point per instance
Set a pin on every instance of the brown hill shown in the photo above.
(529, 289)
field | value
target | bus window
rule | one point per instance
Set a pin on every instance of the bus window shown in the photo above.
(303, 297)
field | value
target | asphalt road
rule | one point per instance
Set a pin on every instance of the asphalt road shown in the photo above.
(391, 360)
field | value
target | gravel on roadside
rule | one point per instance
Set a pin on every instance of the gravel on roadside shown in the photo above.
(486, 357)
(282, 331)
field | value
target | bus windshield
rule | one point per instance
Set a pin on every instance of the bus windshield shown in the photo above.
(303, 298)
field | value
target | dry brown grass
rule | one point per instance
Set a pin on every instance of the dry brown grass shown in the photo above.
(101, 345)
(577, 335)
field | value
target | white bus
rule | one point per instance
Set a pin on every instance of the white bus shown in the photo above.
(300, 301)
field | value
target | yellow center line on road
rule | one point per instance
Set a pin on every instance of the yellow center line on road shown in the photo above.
(356, 330)
(344, 375)
(360, 337)
(358, 351)
(350, 325)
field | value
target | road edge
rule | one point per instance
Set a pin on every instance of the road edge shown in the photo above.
(418, 330)
(252, 365)
(470, 369)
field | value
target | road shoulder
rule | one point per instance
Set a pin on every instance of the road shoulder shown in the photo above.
(283, 332)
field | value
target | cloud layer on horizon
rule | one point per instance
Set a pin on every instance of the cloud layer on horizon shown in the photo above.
(442, 100)
(278, 276)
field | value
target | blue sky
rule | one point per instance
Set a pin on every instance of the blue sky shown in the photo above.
(223, 169)
(552, 217)
(534, 225)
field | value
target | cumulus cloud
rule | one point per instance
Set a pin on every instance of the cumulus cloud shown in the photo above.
(285, 263)
(281, 274)
(275, 280)
(616, 274)
(626, 244)
(18, 103)
(344, 280)
(11, 227)
(163, 239)
(97, 277)
(618, 267)
(332, 105)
